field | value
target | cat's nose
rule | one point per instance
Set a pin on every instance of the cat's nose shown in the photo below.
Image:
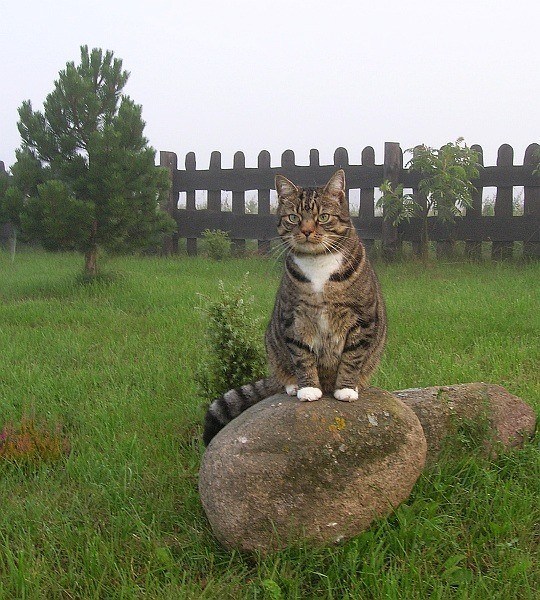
(307, 229)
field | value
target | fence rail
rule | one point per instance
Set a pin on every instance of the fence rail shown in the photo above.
(503, 228)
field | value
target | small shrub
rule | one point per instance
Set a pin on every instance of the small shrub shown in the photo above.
(216, 243)
(31, 442)
(234, 350)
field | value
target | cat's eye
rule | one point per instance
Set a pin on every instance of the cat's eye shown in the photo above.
(323, 218)
(293, 218)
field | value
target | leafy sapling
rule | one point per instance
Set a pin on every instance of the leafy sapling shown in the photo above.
(446, 176)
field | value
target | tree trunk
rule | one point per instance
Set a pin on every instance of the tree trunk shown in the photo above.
(90, 262)
(90, 257)
(13, 243)
(424, 239)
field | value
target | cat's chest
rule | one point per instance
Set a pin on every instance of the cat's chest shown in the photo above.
(318, 269)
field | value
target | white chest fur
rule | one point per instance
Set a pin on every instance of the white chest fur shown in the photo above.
(319, 268)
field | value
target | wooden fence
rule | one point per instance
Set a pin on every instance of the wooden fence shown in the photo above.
(502, 229)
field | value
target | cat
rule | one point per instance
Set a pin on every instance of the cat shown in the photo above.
(328, 327)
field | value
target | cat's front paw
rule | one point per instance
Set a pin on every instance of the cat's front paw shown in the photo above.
(291, 389)
(346, 394)
(309, 394)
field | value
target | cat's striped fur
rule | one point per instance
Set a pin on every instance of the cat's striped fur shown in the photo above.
(328, 327)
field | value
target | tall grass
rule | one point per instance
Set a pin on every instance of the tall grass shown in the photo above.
(112, 362)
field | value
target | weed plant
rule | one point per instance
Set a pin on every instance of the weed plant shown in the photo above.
(216, 244)
(30, 442)
(233, 354)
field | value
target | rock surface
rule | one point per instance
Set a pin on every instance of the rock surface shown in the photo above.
(484, 414)
(286, 470)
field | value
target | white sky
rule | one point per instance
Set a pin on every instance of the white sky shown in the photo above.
(251, 75)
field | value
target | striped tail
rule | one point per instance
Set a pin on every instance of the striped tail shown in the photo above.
(224, 409)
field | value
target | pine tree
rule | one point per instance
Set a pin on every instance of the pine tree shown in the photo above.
(85, 167)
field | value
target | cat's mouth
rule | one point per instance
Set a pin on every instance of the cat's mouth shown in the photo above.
(307, 245)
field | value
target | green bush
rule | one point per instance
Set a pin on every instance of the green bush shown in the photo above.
(216, 244)
(234, 353)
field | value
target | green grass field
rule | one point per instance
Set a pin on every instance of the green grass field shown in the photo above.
(120, 517)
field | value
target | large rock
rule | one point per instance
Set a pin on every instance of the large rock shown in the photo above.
(286, 470)
(481, 414)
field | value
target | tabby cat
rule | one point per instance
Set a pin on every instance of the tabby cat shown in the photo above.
(328, 327)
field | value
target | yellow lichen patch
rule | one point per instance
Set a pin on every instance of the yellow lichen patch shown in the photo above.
(337, 425)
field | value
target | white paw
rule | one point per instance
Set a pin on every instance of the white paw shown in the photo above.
(308, 394)
(291, 389)
(346, 394)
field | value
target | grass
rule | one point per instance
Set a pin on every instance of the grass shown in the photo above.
(118, 516)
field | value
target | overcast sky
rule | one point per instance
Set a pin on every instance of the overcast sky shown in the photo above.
(252, 75)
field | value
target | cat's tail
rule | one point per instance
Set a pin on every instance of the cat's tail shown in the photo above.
(224, 409)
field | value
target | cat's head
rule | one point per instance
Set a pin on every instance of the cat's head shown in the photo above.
(313, 220)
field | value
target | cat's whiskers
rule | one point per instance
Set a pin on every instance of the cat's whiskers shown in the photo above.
(331, 246)
(279, 250)
(341, 241)
(346, 260)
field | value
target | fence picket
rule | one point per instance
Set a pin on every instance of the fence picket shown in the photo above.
(214, 195)
(366, 210)
(287, 160)
(531, 199)
(191, 165)
(263, 199)
(169, 161)
(473, 214)
(341, 161)
(239, 202)
(504, 203)
(393, 165)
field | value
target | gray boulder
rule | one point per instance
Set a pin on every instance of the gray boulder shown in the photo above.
(286, 470)
(481, 414)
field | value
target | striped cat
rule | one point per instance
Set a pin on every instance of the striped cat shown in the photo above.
(328, 327)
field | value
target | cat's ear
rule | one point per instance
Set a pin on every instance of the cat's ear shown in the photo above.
(336, 186)
(284, 187)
